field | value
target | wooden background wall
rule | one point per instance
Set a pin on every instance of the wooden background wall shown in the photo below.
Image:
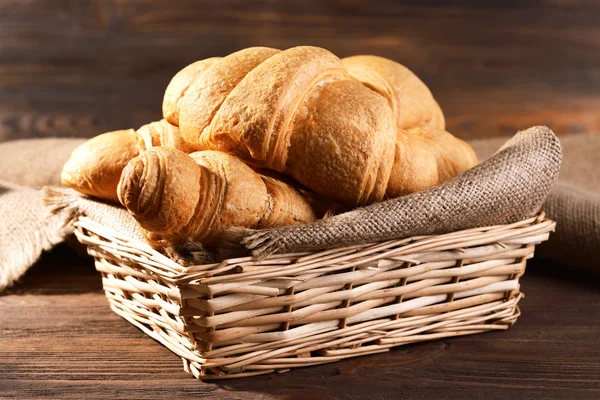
(79, 68)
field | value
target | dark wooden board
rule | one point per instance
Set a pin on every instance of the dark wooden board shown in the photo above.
(79, 68)
(59, 338)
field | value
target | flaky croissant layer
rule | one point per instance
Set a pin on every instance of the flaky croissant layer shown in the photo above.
(425, 153)
(94, 167)
(175, 196)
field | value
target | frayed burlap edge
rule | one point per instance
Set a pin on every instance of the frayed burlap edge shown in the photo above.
(32, 232)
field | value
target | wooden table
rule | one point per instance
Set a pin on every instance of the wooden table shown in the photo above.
(59, 338)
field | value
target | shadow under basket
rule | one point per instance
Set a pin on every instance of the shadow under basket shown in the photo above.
(245, 317)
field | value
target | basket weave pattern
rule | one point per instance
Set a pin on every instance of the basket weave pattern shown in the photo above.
(245, 317)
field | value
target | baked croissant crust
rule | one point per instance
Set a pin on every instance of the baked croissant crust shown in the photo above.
(410, 99)
(178, 86)
(302, 112)
(94, 167)
(425, 154)
(298, 112)
(176, 197)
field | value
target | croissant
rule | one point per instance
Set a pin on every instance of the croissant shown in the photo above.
(175, 196)
(298, 112)
(301, 112)
(407, 95)
(352, 130)
(425, 154)
(94, 167)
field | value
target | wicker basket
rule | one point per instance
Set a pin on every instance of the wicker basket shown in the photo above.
(245, 317)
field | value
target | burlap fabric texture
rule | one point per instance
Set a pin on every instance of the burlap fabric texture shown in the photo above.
(26, 228)
(506, 188)
(573, 202)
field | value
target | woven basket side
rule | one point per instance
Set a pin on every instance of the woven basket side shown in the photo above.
(245, 317)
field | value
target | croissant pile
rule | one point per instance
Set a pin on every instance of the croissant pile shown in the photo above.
(264, 138)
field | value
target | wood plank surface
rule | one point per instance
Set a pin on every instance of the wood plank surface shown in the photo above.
(79, 68)
(59, 338)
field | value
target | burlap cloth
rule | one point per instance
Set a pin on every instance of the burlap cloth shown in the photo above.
(509, 186)
(573, 202)
(26, 226)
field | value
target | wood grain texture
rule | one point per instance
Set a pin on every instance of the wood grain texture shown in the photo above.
(59, 338)
(79, 68)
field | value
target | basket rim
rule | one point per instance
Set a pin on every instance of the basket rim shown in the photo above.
(176, 273)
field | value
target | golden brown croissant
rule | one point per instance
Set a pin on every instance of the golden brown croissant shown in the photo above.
(409, 97)
(175, 196)
(179, 84)
(425, 157)
(298, 112)
(301, 112)
(425, 154)
(94, 168)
